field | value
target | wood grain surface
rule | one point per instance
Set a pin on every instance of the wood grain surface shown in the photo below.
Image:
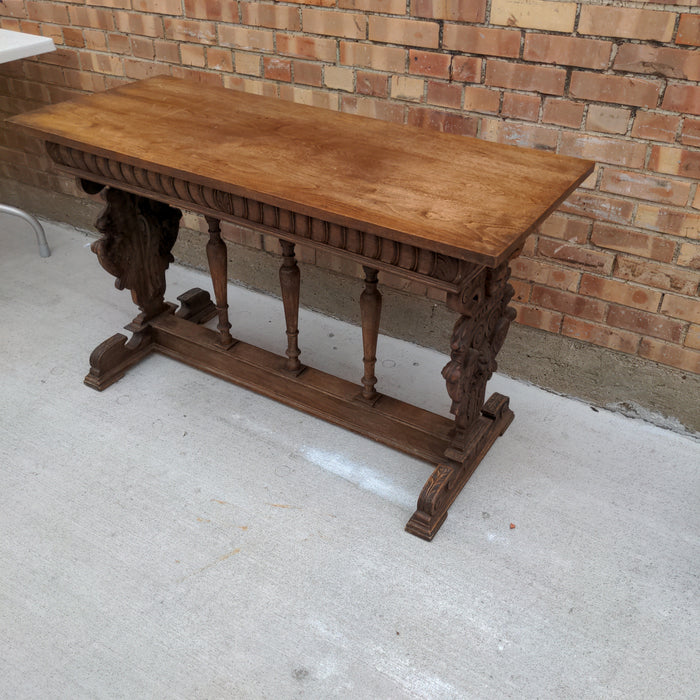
(440, 191)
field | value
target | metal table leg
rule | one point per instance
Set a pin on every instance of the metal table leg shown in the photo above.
(44, 250)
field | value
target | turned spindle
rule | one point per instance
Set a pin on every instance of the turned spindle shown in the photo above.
(370, 311)
(216, 254)
(289, 283)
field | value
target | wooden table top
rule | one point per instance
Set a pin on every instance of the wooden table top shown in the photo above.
(460, 196)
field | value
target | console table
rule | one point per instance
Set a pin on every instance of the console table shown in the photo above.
(445, 210)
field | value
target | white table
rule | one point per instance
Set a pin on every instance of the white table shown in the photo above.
(13, 46)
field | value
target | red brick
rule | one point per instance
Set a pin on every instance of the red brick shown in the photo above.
(675, 161)
(562, 112)
(323, 3)
(167, 51)
(141, 47)
(219, 59)
(692, 337)
(600, 335)
(521, 289)
(309, 73)
(596, 206)
(538, 318)
(73, 37)
(447, 122)
(47, 12)
(452, 10)
(672, 355)
(101, 63)
(444, 94)
(466, 69)
(429, 63)
(96, 40)
(119, 43)
(519, 106)
(375, 84)
(534, 14)
(160, 7)
(614, 88)
(569, 303)
(67, 58)
(655, 126)
(627, 23)
(684, 308)
(272, 16)
(690, 133)
(212, 10)
(306, 96)
(404, 32)
(674, 221)
(519, 134)
(333, 23)
(93, 17)
(479, 99)
(338, 78)
(385, 58)
(370, 107)
(657, 60)
(407, 88)
(385, 7)
(482, 40)
(627, 241)
(656, 275)
(576, 255)
(611, 120)
(247, 64)
(567, 51)
(566, 228)
(622, 293)
(193, 55)
(603, 149)
(516, 76)
(529, 247)
(688, 30)
(140, 70)
(249, 85)
(645, 187)
(189, 30)
(144, 25)
(645, 323)
(304, 47)
(277, 68)
(547, 274)
(689, 256)
(682, 98)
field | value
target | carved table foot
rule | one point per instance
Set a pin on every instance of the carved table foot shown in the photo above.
(110, 359)
(196, 306)
(450, 476)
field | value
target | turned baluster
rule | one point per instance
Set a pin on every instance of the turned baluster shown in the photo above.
(289, 283)
(370, 311)
(216, 254)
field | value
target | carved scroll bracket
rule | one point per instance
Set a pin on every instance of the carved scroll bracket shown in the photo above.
(137, 236)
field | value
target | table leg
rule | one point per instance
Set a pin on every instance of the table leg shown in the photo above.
(289, 284)
(137, 237)
(370, 311)
(216, 255)
(477, 337)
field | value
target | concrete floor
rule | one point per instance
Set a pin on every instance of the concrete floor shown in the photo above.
(179, 537)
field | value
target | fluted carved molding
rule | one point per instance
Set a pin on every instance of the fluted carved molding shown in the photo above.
(431, 268)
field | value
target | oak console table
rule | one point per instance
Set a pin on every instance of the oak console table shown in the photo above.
(445, 210)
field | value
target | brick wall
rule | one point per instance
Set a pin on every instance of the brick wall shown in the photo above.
(617, 266)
